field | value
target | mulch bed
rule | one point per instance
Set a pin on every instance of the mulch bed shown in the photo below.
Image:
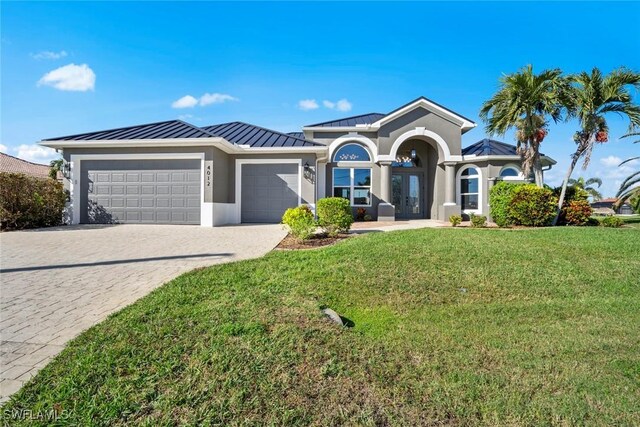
(318, 241)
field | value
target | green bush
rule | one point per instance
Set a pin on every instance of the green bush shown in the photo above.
(576, 209)
(28, 202)
(455, 220)
(334, 215)
(531, 206)
(300, 222)
(478, 221)
(611, 221)
(499, 199)
(576, 212)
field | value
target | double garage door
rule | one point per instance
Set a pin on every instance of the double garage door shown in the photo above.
(141, 191)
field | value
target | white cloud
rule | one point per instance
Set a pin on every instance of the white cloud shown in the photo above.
(215, 98)
(186, 101)
(611, 161)
(185, 117)
(72, 77)
(189, 101)
(341, 105)
(3, 148)
(36, 153)
(329, 104)
(47, 54)
(307, 104)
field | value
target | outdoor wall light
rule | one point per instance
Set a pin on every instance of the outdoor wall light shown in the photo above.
(413, 154)
(66, 169)
(308, 174)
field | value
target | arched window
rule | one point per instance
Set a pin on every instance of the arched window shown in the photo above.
(510, 172)
(469, 190)
(352, 153)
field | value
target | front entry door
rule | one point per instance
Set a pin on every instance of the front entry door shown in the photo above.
(408, 195)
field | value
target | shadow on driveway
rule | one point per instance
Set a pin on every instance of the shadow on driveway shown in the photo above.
(113, 262)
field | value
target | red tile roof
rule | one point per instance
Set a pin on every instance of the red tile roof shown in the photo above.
(15, 165)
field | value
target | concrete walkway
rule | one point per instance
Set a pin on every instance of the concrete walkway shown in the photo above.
(373, 226)
(57, 282)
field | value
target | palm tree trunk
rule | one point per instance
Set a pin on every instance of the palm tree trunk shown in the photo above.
(537, 173)
(563, 192)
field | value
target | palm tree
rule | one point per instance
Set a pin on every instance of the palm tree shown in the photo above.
(591, 98)
(629, 189)
(587, 185)
(524, 101)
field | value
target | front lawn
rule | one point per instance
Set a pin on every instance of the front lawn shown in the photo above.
(452, 327)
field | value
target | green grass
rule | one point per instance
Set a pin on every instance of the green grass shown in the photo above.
(452, 327)
(631, 221)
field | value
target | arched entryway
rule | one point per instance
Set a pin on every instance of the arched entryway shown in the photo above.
(412, 178)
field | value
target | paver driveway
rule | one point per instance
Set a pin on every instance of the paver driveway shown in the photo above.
(55, 283)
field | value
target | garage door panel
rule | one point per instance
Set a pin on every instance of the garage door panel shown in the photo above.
(141, 191)
(267, 190)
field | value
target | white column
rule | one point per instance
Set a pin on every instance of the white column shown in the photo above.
(450, 184)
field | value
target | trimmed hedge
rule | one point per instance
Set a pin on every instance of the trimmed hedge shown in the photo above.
(499, 199)
(28, 202)
(300, 222)
(532, 206)
(334, 215)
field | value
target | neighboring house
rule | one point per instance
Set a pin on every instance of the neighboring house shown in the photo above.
(15, 165)
(408, 163)
(607, 206)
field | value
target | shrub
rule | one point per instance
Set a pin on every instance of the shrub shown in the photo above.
(28, 202)
(531, 206)
(300, 222)
(334, 215)
(576, 212)
(455, 220)
(499, 199)
(611, 221)
(478, 221)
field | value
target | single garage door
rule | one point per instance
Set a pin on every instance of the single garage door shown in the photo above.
(140, 191)
(267, 191)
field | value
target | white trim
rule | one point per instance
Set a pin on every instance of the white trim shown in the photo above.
(353, 137)
(421, 102)
(337, 149)
(458, 188)
(238, 189)
(75, 185)
(220, 143)
(429, 106)
(518, 177)
(474, 158)
(420, 132)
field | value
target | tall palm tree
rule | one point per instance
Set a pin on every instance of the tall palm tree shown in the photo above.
(525, 101)
(587, 185)
(630, 187)
(591, 99)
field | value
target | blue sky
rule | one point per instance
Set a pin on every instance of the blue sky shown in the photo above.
(74, 67)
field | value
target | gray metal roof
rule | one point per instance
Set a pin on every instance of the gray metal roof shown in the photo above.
(363, 119)
(296, 134)
(255, 136)
(490, 147)
(160, 130)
